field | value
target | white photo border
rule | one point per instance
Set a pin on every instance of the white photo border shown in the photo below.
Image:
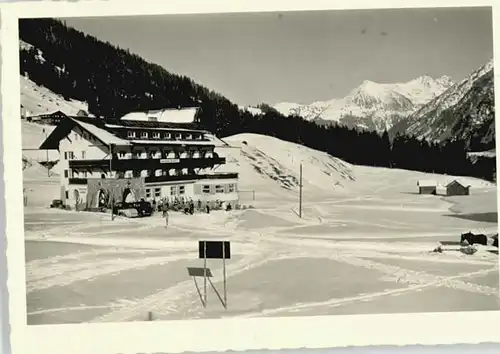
(202, 335)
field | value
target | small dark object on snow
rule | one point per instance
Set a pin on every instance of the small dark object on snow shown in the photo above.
(472, 239)
(143, 207)
(438, 249)
(495, 241)
(469, 250)
(57, 203)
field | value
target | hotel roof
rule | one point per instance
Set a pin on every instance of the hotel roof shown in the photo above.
(171, 115)
(104, 132)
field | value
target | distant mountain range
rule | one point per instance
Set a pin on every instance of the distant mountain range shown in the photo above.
(434, 109)
(372, 106)
(466, 110)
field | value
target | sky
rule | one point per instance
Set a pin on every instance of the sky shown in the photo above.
(304, 57)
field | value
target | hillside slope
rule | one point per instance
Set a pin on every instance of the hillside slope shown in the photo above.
(266, 163)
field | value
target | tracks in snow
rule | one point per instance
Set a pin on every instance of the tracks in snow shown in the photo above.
(364, 297)
(64, 270)
(170, 299)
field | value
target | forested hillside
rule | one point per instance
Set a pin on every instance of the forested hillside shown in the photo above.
(114, 81)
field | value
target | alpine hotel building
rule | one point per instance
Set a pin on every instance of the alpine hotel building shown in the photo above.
(176, 159)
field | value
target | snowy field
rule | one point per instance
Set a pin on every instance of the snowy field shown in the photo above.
(363, 246)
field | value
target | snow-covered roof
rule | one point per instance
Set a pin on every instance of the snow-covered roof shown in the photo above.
(180, 115)
(101, 134)
(427, 183)
(157, 128)
(172, 142)
(101, 131)
(456, 181)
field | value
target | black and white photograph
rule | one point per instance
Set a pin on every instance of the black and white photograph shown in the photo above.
(258, 164)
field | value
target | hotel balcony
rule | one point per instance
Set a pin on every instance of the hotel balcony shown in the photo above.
(146, 164)
(158, 179)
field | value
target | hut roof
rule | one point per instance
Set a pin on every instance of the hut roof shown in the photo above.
(457, 182)
(427, 183)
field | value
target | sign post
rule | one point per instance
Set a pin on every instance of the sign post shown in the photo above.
(224, 275)
(46, 155)
(214, 250)
(205, 273)
(110, 176)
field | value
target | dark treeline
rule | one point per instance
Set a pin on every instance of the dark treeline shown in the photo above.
(114, 82)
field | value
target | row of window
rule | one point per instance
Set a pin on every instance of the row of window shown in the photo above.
(167, 135)
(177, 190)
(165, 154)
(174, 190)
(218, 189)
(181, 190)
(147, 135)
(70, 155)
(131, 174)
(82, 135)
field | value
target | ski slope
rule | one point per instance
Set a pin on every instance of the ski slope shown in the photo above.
(362, 246)
(32, 137)
(40, 100)
(271, 166)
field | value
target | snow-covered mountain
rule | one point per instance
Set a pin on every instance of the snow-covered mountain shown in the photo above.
(372, 105)
(466, 110)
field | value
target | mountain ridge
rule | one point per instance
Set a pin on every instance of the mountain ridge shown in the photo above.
(465, 111)
(372, 105)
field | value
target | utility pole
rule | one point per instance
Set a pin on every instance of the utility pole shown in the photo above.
(300, 192)
(46, 155)
(110, 174)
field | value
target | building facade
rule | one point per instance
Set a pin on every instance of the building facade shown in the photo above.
(165, 148)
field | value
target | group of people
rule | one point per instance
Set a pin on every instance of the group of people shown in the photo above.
(187, 206)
